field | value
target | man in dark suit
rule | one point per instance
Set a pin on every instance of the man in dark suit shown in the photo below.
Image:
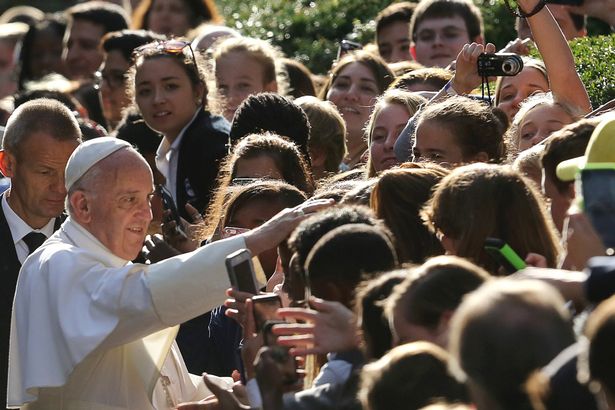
(39, 138)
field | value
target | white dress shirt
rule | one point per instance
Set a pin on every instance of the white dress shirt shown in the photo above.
(19, 228)
(167, 157)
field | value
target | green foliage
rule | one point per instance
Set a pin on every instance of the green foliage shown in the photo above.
(594, 58)
(595, 61)
(310, 30)
(499, 23)
(307, 30)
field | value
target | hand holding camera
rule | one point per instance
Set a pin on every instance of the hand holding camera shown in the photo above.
(466, 77)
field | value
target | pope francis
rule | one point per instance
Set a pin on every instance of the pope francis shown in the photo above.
(89, 329)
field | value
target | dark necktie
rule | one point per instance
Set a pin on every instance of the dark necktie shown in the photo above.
(34, 240)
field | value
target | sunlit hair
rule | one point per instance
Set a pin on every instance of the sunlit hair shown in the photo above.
(432, 77)
(397, 198)
(513, 135)
(503, 332)
(184, 57)
(433, 289)
(410, 376)
(596, 362)
(286, 156)
(369, 303)
(478, 201)
(266, 55)
(327, 130)
(410, 101)
(528, 63)
(476, 126)
(272, 190)
(529, 165)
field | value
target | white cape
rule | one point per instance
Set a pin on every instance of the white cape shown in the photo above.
(90, 330)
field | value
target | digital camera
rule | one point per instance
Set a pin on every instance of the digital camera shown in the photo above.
(499, 64)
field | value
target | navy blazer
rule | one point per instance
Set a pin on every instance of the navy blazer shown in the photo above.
(9, 270)
(204, 144)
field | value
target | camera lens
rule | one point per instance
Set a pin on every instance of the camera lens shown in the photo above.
(511, 66)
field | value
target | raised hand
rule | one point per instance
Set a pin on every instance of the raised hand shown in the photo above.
(330, 327)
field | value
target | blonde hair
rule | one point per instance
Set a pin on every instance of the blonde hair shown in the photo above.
(327, 130)
(410, 101)
(528, 62)
(265, 54)
(512, 135)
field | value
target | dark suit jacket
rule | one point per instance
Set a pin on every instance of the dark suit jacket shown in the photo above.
(9, 269)
(204, 145)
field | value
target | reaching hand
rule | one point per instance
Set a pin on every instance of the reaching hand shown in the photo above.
(252, 341)
(236, 305)
(466, 76)
(184, 238)
(518, 46)
(155, 249)
(331, 327)
(276, 374)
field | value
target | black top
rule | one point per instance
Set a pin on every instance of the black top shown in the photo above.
(203, 146)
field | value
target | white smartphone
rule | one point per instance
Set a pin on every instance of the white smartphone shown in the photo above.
(241, 271)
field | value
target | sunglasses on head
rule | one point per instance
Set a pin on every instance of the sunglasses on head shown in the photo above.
(167, 46)
(172, 47)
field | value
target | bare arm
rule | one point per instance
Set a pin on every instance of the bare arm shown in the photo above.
(564, 80)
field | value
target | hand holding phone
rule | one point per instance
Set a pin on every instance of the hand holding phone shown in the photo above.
(265, 309)
(241, 271)
(169, 205)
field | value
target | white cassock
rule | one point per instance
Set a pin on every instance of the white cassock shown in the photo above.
(92, 331)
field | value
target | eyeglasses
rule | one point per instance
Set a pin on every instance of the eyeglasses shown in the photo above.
(114, 79)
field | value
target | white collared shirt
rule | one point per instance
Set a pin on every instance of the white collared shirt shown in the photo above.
(167, 156)
(19, 228)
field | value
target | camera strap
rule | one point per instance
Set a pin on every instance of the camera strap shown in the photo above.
(485, 84)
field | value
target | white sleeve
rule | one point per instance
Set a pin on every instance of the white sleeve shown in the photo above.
(68, 305)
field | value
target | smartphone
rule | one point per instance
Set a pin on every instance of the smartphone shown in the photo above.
(501, 252)
(347, 46)
(168, 203)
(265, 308)
(598, 188)
(241, 271)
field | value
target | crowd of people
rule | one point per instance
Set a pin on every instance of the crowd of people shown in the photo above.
(412, 243)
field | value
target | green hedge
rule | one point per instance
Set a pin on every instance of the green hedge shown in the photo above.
(595, 61)
(311, 30)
